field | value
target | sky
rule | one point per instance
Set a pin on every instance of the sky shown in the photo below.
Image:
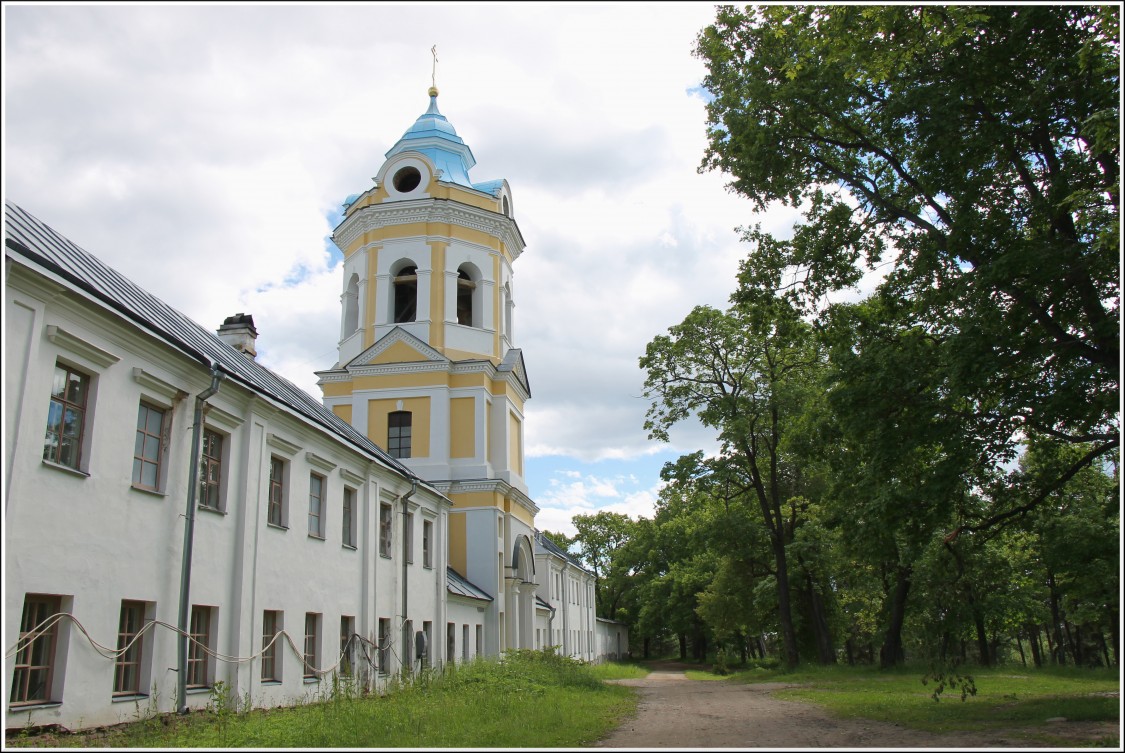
(204, 152)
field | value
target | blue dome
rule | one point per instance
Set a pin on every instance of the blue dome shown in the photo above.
(434, 136)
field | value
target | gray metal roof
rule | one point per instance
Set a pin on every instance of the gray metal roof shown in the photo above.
(545, 543)
(28, 237)
(459, 585)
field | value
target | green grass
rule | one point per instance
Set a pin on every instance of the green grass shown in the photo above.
(619, 671)
(1005, 697)
(531, 698)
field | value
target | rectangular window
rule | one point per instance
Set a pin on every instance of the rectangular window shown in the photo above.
(312, 644)
(409, 648)
(66, 417)
(398, 434)
(35, 659)
(148, 451)
(450, 641)
(385, 521)
(480, 640)
(316, 505)
(276, 512)
(348, 517)
(211, 471)
(384, 645)
(427, 543)
(130, 649)
(409, 537)
(465, 642)
(199, 661)
(428, 631)
(347, 628)
(271, 626)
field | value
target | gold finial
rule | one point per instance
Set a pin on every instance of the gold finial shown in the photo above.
(433, 77)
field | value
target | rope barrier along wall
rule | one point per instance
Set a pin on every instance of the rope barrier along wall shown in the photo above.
(115, 653)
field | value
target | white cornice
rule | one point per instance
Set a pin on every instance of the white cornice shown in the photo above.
(487, 485)
(376, 216)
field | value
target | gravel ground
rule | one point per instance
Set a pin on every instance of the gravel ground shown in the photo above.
(675, 712)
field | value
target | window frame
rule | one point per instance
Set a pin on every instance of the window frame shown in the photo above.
(347, 628)
(427, 543)
(86, 379)
(311, 655)
(316, 504)
(400, 434)
(386, 529)
(278, 493)
(145, 409)
(272, 620)
(348, 517)
(200, 668)
(130, 650)
(408, 538)
(212, 481)
(45, 645)
(384, 646)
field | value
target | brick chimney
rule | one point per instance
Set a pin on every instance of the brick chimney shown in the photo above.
(239, 333)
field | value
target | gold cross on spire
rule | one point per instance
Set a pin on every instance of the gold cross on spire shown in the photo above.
(433, 77)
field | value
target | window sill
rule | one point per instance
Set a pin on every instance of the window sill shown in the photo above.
(311, 680)
(129, 697)
(349, 546)
(33, 705)
(66, 469)
(385, 556)
(212, 510)
(198, 690)
(150, 492)
(316, 536)
(270, 683)
(278, 527)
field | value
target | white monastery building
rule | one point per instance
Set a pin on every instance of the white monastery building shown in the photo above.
(176, 515)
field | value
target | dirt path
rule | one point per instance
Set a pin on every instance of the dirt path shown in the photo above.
(676, 712)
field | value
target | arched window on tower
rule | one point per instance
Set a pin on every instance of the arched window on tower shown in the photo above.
(466, 288)
(398, 434)
(406, 294)
(351, 306)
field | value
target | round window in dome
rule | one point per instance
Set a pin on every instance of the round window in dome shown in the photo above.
(406, 179)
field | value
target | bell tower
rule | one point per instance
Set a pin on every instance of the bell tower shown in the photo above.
(427, 365)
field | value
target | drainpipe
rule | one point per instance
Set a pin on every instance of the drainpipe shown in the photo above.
(550, 623)
(408, 649)
(189, 532)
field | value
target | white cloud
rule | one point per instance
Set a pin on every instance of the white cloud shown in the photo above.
(201, 150)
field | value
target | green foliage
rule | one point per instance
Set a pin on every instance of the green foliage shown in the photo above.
(952, 678)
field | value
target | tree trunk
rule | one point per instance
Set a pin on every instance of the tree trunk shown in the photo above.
(683, 647)
(850, 652)
(646, 648)
(1114, 626)
(981, 635)
(1033, 641)
(1019, 645)
(826, 653)
(892, 654)
(1057, 649)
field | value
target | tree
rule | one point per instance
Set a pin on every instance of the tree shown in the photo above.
(973, 152)
(746, 373)
(600, 536)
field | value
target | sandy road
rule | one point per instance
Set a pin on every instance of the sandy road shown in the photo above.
(675, 712)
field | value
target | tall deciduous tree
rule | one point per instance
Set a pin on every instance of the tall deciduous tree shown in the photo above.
(973, 152)
(746, 373)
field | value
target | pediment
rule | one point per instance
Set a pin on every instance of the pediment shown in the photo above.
(513, 364)
(398, 346)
